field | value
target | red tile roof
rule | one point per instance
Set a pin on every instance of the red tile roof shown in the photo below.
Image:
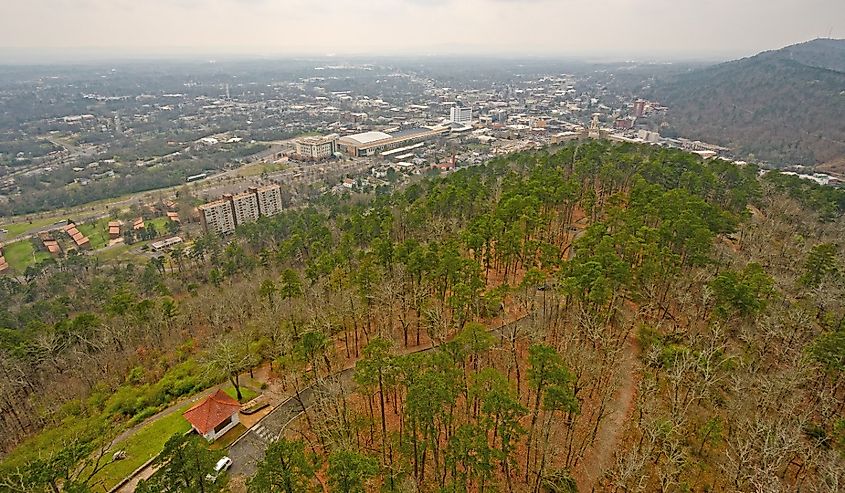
(209, 413)
(52, 246)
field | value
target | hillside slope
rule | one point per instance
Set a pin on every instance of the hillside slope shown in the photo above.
(783, 106)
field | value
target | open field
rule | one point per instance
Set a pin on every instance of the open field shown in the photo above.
(247, 393)
(97, 232)
(23, 225)
(22, 254)
(257, 169)
(143, 446)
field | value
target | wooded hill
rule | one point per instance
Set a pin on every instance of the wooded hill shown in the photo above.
(783, 106)
(681, 326)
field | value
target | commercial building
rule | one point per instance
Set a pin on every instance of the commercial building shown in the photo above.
(639, 108)
(223, 216)
(372, 143)
(269, 199)
(218, 217)
(623, 123)
(317, 147)
(245, 206)
(162, 244)
(460, 115)
(648, 136)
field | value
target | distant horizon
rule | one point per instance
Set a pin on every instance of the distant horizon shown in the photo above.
(95, 55)
(69, 31)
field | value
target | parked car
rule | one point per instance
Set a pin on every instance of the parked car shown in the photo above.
(222, 465)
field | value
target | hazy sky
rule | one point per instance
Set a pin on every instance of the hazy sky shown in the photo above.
(621, 28)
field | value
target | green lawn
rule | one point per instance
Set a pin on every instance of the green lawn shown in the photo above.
(112, 252)
(149, 441)
(258, 168)
(23, 226)
(143, 446)
(97, 232)
(51, 440)
(22, 254)
(247, 393)
(140, 447)
(226, 440)
(160, 224)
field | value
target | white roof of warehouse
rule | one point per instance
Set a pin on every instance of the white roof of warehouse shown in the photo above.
(367, 137)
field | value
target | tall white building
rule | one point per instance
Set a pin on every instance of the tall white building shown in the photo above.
(461, 115)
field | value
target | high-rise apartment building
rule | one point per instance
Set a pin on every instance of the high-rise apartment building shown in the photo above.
(223, 216)
(218, 217)
(269, 199)
(245, 206)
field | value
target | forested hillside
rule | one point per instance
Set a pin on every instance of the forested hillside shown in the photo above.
(597, 316)
(782, 106)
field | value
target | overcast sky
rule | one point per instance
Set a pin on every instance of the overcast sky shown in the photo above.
(616, 28)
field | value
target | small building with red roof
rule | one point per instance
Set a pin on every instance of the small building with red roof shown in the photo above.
(114, 230)
(4, 266)
(214, 416)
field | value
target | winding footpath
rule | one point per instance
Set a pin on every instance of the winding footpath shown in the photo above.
(248, 450)
(600, 455)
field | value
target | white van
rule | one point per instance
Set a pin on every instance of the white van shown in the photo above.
(222, 465)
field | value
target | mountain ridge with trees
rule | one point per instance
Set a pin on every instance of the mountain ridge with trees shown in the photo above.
(731, 284)
(783, 106)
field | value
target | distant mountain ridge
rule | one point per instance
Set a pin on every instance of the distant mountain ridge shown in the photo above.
(785, 106)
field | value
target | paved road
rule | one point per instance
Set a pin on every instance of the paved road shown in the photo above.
(103, 208)
(249, 450)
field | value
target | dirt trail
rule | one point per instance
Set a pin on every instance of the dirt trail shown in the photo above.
(600, 455)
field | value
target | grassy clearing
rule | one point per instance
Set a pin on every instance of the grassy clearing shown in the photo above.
(22, 254)
(97, 233)
(247, 393)
(18, 228)
(124, 252)
(143, 446)
(149, 441)
(181, 381)
(51, 440)
(160, 224)
(259, 168)
(114, 252)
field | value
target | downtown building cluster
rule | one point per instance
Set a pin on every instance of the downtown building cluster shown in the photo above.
(224, 215)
